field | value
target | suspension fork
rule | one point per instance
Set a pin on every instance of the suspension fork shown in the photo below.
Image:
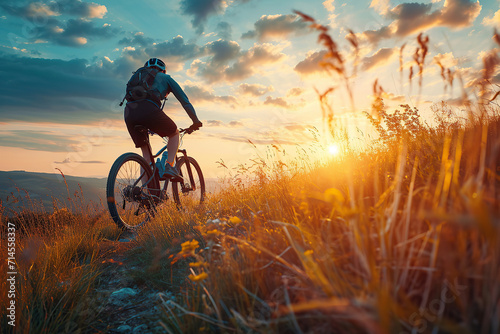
(188, 167)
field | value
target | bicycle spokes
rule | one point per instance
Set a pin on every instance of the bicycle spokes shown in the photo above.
(191, 190)
(129, 198)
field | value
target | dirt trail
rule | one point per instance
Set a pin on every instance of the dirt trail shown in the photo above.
(124, 305)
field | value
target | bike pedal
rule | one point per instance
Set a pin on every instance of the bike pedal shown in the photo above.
(175, 179)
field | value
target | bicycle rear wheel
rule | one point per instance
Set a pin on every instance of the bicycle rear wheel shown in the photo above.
(191, 191)
(128, 191)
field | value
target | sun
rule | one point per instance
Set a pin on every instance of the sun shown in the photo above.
(333, 149)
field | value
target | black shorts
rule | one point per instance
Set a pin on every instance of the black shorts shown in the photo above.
(147, 114)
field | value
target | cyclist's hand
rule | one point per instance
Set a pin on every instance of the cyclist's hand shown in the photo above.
(196, 125)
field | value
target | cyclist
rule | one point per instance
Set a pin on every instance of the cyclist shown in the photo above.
(148, 112)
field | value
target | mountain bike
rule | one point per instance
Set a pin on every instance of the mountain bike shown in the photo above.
(135, 187)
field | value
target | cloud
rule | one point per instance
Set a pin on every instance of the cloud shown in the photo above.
(201, 10)
(278, 101)
(285, 134)
(297, 127)
(73, 91)
(258, 55)
(138, 39)
(263, 140)
(224, 30)
(476, 79)
(30, 11)
(176, 51)
(447, 60)
(379, 58)
(277, 26)
(23, 50)
(231, 124)
(82, 9)
(375, 36)
(295, 91)
(37, 140)
(46, 23)
(381, 6)
(459, 13)
(493, 20)
(311, 64)
(197, 94)
(216, 61)
(393, 97)
(222, 51)
(212, 123)
(35, 10)
(228, 65)
(254, 89)
(176, 48)
(412, 17)
(173, 52)
(330, 7)
(409, 18)
(69, 161)
(235, 124)
(74, 32)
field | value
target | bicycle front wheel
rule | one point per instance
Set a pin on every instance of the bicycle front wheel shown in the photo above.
(190, 192)
(128, 191)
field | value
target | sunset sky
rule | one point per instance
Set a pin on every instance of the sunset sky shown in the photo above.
(249, 67)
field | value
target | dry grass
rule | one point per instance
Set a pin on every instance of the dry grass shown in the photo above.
(403, 240)
(402, 237)
(57, 264)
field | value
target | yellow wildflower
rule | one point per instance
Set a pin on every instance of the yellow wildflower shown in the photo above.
(235, 220)
(334, 196)
(199, 277)
(189, 247)
(197, 264)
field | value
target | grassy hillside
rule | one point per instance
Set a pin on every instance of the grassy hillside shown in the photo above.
(37, 191)
(44, 188)
(398, 239)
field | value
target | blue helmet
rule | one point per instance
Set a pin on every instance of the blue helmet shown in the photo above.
(156, 62)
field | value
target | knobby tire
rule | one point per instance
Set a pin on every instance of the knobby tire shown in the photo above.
(126, 170)
(187, 198)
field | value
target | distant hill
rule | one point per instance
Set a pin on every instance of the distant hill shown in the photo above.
(43, 188)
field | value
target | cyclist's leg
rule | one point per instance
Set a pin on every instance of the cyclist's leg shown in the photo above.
(172, 147)
(141, 113)
(164, 126)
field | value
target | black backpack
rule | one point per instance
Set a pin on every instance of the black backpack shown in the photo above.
(139, 86)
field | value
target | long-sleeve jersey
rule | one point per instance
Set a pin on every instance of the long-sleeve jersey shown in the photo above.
(165, 84)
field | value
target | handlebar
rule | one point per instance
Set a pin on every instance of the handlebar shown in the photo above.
(189, 130)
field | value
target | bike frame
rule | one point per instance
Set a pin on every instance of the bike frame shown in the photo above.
(156, 177)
